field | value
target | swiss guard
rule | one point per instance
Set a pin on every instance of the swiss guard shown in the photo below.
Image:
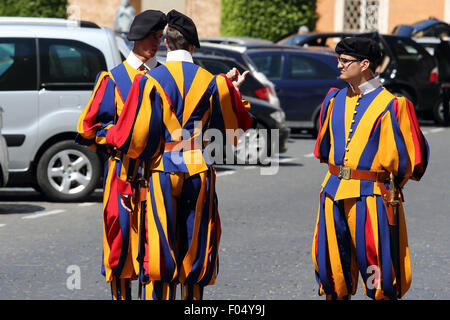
(372, 144)
(120, 228)
(163, 122)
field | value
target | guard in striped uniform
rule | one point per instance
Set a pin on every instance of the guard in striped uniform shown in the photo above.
(163, 121)
(373, 145)
(120, 238)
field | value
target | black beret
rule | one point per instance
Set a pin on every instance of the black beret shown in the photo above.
(185, 25)
(360, 48)
(145, 23)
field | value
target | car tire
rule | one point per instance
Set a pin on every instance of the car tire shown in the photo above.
(254, 139)
(68, 172)
(438, 113)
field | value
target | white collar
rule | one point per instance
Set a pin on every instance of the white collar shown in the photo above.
(369, 85)
(179, 55)
(135, 62)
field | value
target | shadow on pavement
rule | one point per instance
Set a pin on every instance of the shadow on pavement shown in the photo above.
(30, 195)
(19, 208)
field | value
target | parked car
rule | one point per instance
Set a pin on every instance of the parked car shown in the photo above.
(3, 155)
(434, 36)
(407, 68)
(47, 71)
(235, 40)
(237, 53)
(302, 78)
(268, 116)
(425, 28)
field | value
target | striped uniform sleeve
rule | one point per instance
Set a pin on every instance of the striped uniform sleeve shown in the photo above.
(99, 113)
(229, 111)
(403, 149)
(139, 128)
(322, 146)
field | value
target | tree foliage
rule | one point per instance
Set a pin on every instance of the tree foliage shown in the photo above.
(34, 8)
(267, 19)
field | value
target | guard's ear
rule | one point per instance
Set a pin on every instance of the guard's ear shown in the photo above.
(365, 64)
(191, 48)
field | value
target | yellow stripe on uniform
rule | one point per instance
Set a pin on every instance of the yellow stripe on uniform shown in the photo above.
(333, 250)
(361, 135)
(162, 215)
(197, 89)
(231, 122)
(176, 71)
(192, 251)
(153, 241)
(139, 137)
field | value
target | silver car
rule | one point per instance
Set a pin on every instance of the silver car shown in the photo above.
(47, 72)
(3, 155)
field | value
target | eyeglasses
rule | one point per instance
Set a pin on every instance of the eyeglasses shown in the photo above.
(345, 61)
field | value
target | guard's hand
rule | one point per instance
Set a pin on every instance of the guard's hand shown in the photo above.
(236, 77)
(125, 201)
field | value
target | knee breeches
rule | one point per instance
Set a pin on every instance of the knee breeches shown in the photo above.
(353, 236)
(182, 229)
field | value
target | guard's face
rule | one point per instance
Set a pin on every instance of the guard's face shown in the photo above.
(150, 44)
(350, 67)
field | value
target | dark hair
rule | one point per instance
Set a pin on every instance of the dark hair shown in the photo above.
(175, 40)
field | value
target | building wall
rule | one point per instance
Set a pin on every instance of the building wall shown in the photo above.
(102, 12)
(90, 10)
(407, 11)
(392, 13)
(206, 16)
(164, 5)
(206, 13)
(326, 11)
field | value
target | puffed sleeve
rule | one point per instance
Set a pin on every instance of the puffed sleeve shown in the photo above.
(99, 113)
(403, 149)
(138, 131)
(229, 111)
(322, 146)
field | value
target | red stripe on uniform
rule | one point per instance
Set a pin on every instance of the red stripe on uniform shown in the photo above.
(371, 250)
(119, 133)
(90, 120)
(245, 121)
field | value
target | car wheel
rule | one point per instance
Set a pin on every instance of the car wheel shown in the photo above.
(254, 146)
(68, 172)
(438, 113)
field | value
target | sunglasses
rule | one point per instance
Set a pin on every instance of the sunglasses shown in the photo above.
(346, 61)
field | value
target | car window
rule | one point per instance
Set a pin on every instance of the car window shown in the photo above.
(18, 64)
(434, 31)
(404, 50)
(211, 52)
(69, 64)
(302, 67)
(214, 66)
(271, 65)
